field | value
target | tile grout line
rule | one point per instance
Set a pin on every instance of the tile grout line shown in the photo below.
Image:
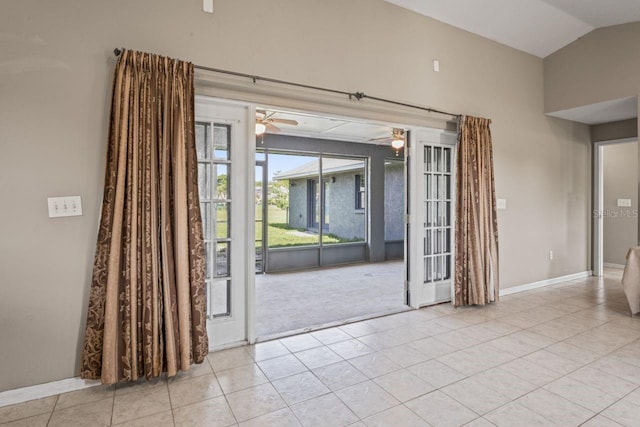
(53, 409)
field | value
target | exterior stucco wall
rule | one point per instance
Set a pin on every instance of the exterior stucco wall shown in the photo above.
(344, 220)
(394, 202)
(298, 203)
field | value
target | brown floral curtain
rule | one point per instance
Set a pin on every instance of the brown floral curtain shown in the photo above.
(147, 310)
(476, 257)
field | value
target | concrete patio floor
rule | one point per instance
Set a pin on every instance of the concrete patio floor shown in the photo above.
(299, 300)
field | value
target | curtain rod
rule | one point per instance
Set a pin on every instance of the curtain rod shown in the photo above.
(352, 95)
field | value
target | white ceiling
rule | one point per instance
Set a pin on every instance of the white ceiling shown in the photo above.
(539, 27)
(312, 126)
(602, 112)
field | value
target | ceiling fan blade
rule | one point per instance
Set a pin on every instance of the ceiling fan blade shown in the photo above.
(271, 128)
(285, 121)
(384, 138)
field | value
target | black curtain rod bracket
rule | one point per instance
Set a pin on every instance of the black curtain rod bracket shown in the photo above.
(359, 96)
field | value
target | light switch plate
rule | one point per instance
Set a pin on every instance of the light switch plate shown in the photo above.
(501, 204)
(64, 206)
(624, 203)
(207, 6)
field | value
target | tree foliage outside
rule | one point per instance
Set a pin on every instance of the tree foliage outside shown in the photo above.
(279, 194)
(223, 187)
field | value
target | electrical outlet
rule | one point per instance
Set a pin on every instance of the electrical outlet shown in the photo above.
(550, 255)
(436, 65)
(64, 206)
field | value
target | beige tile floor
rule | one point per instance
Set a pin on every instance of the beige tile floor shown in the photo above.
(565, 355)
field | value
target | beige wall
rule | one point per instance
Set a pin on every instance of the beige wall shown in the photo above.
(615, 130)
(620, 175)
(56, 64)
(601, 66)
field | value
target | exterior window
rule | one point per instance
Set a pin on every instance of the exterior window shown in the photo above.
(214, 167)
(360, 192)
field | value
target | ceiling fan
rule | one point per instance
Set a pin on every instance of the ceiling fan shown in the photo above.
(396, 138)
(265, 122)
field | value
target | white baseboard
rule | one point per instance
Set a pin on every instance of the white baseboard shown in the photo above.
(543, 283)
(19, 395)
(612, 265)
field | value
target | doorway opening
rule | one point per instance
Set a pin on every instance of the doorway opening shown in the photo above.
(616, 203)
(330, 222)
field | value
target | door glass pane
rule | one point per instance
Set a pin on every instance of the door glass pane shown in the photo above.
(221, 179)
(442, 214)
(447, 160)
(222, 221)
(209, 269)
(205, 211)
(222, 259)
(219, 298)
(293, 210)
(428, 275)
(203, 181)
(437, 159)
(202, 140)
(259, 258)
(428, 159)
(221, 141)
(427, 242)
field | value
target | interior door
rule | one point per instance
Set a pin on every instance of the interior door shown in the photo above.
(431, 216)
(223, 176)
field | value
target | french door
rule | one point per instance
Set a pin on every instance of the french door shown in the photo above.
(223, 176)
(431, 216)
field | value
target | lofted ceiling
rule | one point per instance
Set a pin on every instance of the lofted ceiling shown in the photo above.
(601, 112)
(539, 27)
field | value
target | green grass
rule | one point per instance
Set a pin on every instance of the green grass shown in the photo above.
(282, 235)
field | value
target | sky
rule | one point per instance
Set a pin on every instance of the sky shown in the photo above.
(285, 162)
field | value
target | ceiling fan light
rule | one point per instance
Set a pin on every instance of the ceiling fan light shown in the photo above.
(397, 143)
(260, 128)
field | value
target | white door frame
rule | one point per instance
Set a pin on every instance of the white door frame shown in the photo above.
(598, 201)
(238, 327)
(247, 162)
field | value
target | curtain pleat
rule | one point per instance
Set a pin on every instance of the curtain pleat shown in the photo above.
(476, 247)
(147, 305)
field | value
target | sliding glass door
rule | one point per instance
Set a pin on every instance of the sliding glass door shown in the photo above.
(316, 210)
